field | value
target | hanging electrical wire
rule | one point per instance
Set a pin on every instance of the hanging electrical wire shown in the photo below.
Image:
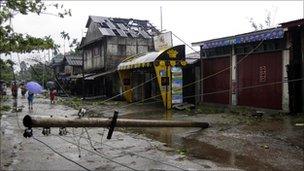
(99, 154)
(60, 154)
(136, 154)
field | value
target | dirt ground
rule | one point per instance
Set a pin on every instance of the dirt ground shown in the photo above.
(127, 150)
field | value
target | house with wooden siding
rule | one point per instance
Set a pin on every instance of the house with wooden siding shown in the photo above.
(66, 67)
(253, 69)
(107, 42)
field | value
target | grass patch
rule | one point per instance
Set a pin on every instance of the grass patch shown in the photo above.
(75, 103)
(182, 151)
(5, 108)
(240, 110)
(3, 98)
(209, 109)
(297, 119)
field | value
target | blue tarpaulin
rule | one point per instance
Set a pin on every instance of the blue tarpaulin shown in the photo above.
(276, 33)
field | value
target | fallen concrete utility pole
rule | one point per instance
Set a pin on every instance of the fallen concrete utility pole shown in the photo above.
(48, 122)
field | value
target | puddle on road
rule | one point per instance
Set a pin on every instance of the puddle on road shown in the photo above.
(174, 137)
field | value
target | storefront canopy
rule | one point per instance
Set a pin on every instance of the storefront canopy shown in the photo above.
(92, 77)
(139, 61)
(268, 34)
(146, 60)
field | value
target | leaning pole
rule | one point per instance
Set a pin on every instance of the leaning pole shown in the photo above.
(64, 122)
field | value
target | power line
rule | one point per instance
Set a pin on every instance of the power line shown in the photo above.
(129, 152)
(99, 154)
(185, 43)
(209, 76)
(60, 154)
(245, 88)
(221, 91)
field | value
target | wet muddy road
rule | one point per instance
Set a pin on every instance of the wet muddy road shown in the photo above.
(125, 151)
(245, 142)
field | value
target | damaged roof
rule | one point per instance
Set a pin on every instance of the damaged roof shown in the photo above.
(123, 27)
(74, 60)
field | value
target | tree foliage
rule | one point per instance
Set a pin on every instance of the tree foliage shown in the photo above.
(39, 72)
(11, 41)
(6, 71)
(73, 45)
(260, 26)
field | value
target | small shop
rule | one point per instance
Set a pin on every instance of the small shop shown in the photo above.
(154, 76)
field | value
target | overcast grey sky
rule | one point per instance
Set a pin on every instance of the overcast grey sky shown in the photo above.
(190, 20)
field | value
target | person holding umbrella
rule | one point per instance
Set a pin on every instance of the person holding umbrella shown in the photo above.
(30, 99)
(33, 88)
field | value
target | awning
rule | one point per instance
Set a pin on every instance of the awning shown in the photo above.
(269, 34)
(100, 74)
(139, 61)
(173, 54)
(79, 76)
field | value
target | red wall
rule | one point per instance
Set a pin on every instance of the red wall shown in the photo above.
(219, 82)
(258, 70)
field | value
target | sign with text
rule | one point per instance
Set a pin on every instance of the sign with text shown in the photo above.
(163, 41)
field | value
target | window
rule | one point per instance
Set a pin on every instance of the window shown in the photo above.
(85, 56)
(96, 51)
(121, 50)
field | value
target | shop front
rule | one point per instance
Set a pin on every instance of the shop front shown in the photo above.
(154, 76)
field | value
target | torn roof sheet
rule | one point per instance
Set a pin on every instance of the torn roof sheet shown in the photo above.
(74, 60)
(124, 27)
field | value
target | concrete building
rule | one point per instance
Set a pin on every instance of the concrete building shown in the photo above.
(107, 42)
(254, 69)
(294, 54)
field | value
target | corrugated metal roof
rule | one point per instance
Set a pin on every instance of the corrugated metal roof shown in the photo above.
(121, 32)
(267, 34)
(74, 60)
(106, 31)
(121, 26)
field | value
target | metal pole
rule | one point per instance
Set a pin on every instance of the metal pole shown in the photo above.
(83, 86)
(161, 19)
(43, 71)
(47, 122)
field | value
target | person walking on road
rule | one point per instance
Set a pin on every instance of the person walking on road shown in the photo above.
(30, 99)
(14, 89)
(23, 90)
(53, 94)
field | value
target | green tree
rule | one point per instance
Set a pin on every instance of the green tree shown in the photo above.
(11, 41)
(36, 70)
(6, 71)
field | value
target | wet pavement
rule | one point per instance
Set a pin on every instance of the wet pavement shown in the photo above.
(127, 150)
(270, 142)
